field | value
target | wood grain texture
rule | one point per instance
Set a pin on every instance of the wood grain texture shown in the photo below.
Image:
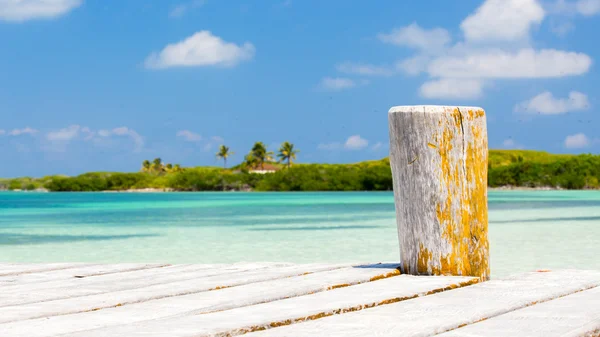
(237, 321)
(296, 300)
(575, 315)
(446, 311)
(79, 272)
(11, 269)
(117, 289)
(73, 312)
(438, 157)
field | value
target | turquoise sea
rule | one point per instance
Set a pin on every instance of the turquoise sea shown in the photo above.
(528, 230)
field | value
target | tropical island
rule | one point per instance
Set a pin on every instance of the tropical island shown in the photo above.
(264, 170)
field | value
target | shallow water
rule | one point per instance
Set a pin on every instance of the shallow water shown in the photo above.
(528, 230)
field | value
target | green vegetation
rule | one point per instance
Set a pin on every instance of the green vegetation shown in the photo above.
(258, 156)
(506, 168)
(157, 167)
(224, 153)
(287, 153)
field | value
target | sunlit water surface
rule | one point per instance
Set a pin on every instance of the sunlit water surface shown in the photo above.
(528, 230)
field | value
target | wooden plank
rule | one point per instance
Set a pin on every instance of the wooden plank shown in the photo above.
(314, 306)
(177, 287)
(438, 156)
(80, 272)
(8, 269)
(575, 315)
(445, 311)
(54, 290)
(21, 282)
(193, 304)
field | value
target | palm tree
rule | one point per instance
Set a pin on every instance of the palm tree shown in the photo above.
(287, 152)
(260, 154)
(169, 167)
(224, 153)
(157, 165)
(177, 168)
(250, 161)
(146, 166)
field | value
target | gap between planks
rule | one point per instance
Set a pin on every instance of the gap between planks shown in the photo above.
(163, 281)
(574, 315)
(77, 272)
(247, 318)
(448, 310)
(295, 282)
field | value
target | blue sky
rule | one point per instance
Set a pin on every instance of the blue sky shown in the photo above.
(102, 85)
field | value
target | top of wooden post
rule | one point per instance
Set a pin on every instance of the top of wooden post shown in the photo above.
(431, 108)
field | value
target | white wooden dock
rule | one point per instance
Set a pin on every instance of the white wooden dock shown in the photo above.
(269, 299)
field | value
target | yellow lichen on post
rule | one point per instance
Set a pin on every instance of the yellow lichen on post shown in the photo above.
(441, 199)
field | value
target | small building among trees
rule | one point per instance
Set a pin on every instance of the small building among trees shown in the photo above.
(264, 168)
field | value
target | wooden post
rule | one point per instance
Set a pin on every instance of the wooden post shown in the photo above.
(439, 158)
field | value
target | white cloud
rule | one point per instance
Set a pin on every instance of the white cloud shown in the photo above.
(414, 36)
(452, 88)
(511, 144)
(67, 134)
(356, 143)
(577, 141)
(364, 69)
(337, 83)
(526, 63)
(60, 138)
(588, 7)
(200, 49)
(414, 65)
(546, 103)
(24, 131)
(217, 139)
(502, 20)
(180, 10)
(570, 7)
(2, 132)
(104, 133)
(135, 137)
(189, 136)
(23, 10)
(329, 146)
(377, 146)
(496, 46)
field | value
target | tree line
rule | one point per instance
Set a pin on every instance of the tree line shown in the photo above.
(259, 155)
(506, 168)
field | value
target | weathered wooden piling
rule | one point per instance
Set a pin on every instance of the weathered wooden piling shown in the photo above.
(438, 156)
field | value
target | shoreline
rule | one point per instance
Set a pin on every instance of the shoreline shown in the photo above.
(524, 188)
(171, 190)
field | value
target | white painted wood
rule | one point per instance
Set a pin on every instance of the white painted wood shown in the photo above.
(54, 290)
(139, 292)
(237, 320)
(8, 269)
(131, 275)
(574, 315)
(591, 329)
(192, 304)
(84, 271)
(438, 157)
(445, 311)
